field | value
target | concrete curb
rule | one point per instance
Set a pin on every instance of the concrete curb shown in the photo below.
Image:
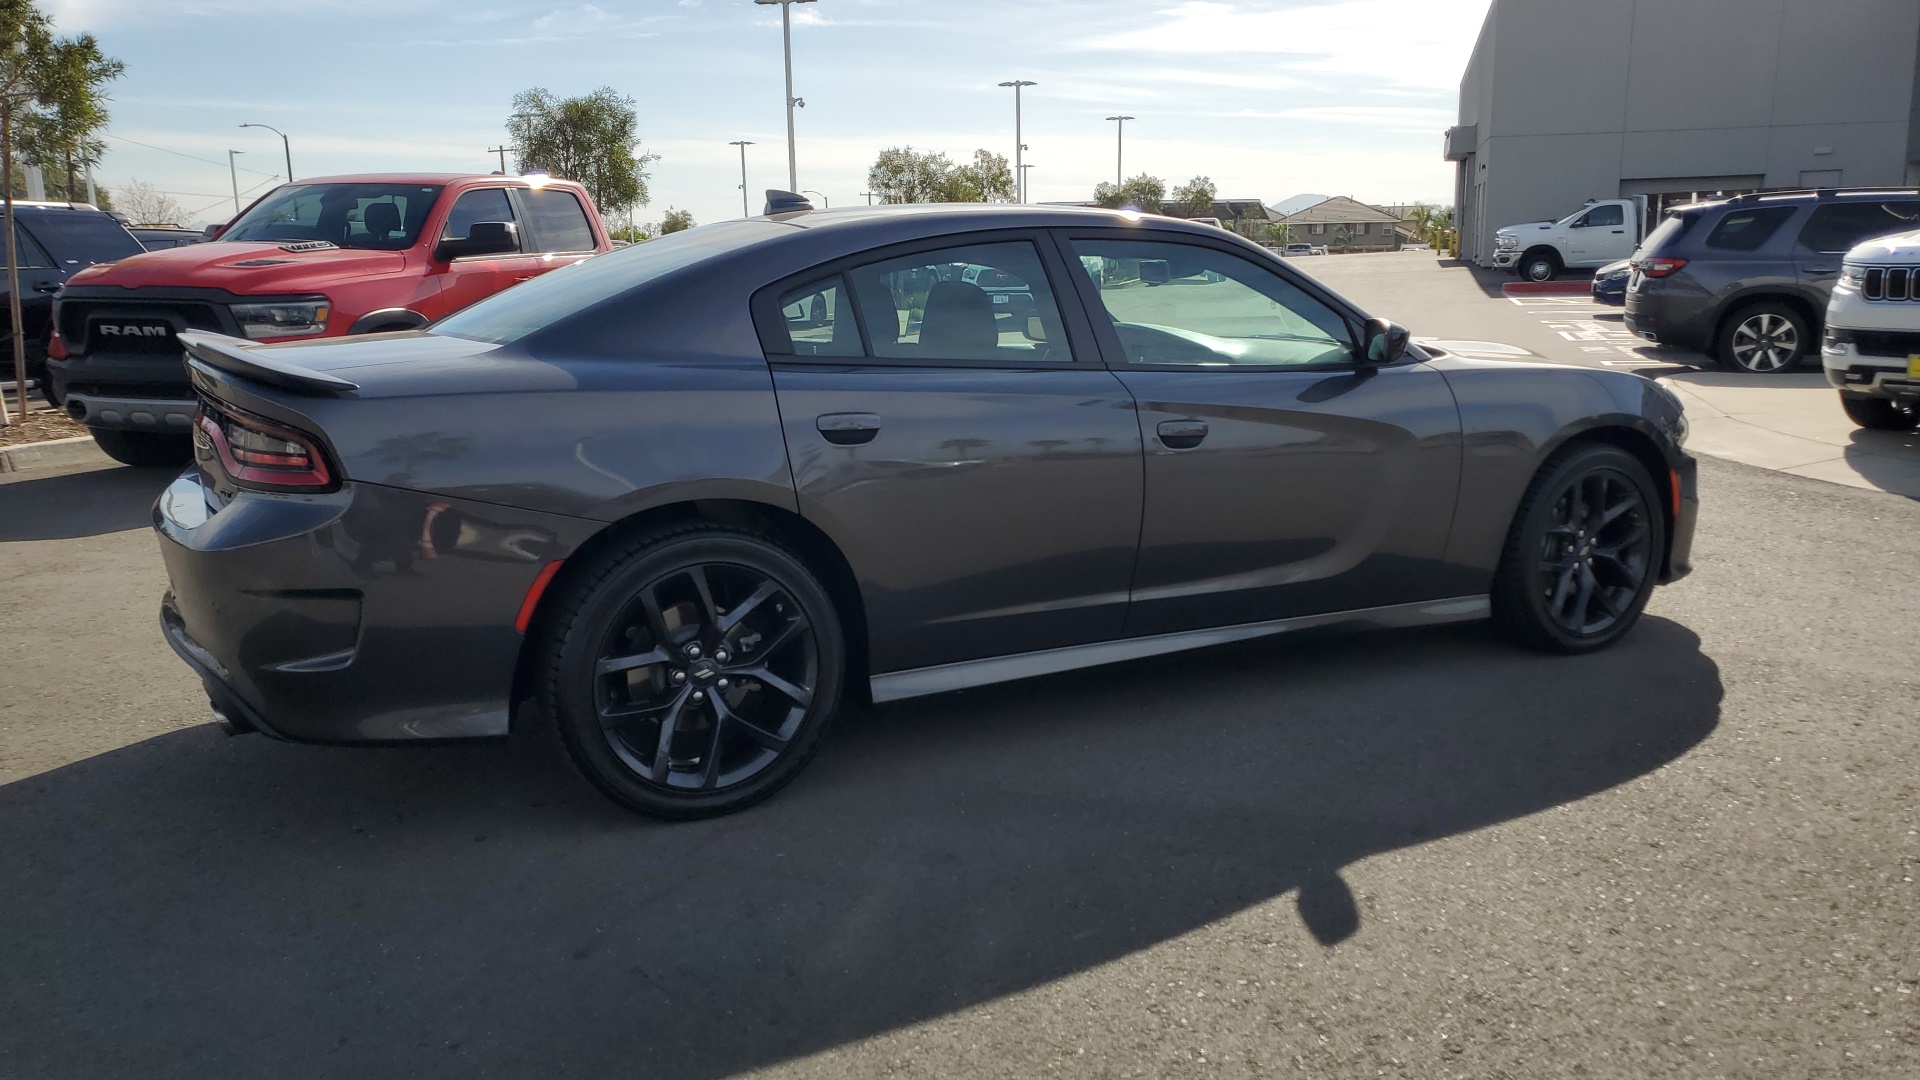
(52, 454)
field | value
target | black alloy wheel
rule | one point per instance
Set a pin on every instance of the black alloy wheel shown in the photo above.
(696, 673)
(1583, 554)
(1880, 414)
(1766, 339)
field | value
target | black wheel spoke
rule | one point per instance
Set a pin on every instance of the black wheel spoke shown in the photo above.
(747, 607)
(799, 695)
(663, 746)
(1558, 604)
(1581, 603)
(710, 764)
(614, 716)
(656, 619)
(613, 665)
(709, 611)
(770, 646)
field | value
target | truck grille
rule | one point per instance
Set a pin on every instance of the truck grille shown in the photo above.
(133, 326)
(1891, 283)
(1892, 343)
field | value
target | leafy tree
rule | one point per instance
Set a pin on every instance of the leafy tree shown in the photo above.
(26, 39)
(146, 206)
(1280, 233)
(592, 139)
(630, 233)
(64, 133)
(1143, 193)
(676, 221)
(1195, 198)
(902, 174)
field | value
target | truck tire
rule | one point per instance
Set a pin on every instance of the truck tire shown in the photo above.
(1540, 264)
(1879, 414)
(144, 449)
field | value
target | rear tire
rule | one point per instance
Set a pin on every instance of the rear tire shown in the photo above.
(1583, 553)
(144, 449)
(1764, 339)
(1879, 414)
(691, 671)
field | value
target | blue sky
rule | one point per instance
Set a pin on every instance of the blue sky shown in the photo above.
(1270, 98)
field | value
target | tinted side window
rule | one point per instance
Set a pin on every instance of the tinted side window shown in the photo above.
(29, 252)
(1838, 227)
(485, 204)
(1748, 230)
(81, 238)
(820, 322)
(980, 302)
(559, 223)
(1195, 306)
(1608, 216)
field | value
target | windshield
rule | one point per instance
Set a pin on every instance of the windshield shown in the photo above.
(387, 217)
(511, 315)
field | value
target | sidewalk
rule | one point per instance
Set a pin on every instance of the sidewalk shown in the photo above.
(1793, 424)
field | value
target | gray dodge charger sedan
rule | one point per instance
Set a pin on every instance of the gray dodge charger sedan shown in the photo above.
(688, 497)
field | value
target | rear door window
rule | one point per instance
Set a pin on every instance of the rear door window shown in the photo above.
(30, 254)
(1748, 230)
(820, 322)
(1669, 232)
(559, 222)
(483, 204)
(988, 302)
(1837, 227)
(83, 237)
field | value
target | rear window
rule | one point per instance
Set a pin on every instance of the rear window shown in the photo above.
(1748, 230)
(559, 224)
(1839, 226)
(1670, 231)
(518, 312)
(82, 237)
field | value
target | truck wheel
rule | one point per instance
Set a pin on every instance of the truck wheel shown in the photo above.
(1540, 266)
(144, 449)
(1879, 414)
(1764, 339)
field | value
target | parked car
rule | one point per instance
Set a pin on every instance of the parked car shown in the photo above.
(688, 511)
(1871, 351)
(1296, 251)
(54, 240)
(1610, 283)
(156, 237)
(1746, 280)
(321, 258)
(1318, 249)
(1592, 236)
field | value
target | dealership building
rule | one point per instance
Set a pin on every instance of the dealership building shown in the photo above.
(1566, 101)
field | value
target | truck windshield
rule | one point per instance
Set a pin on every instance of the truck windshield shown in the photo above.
(388, 217)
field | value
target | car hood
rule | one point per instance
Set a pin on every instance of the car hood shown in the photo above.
(1526, 225)
(246, 268)
(1620, 267)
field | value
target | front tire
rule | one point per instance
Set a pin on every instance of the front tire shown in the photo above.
(1582, 555)
(1539, 266)
(692, 671)
(1765, 339)
(144, 449)
(1879, 414)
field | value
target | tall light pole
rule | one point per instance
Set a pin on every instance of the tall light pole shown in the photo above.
(1024, 170)
(743, 144)
(233, 173)
(786, 39)
(285, 145)
(824, 205)
(1120, 150)
(1019, 143)
(869, 196)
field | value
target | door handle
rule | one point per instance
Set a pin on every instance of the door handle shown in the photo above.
(848, 428)
(1619, 232)
(1821, 271)
(47, 287)
(1182, 434)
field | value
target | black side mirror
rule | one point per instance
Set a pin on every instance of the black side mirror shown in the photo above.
(1386, 341)
(483, 238)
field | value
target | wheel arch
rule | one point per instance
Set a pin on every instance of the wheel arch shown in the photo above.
(385, 319)
(1552, 253)
(800, 536)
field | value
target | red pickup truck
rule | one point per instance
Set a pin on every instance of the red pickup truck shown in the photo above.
(319, 258)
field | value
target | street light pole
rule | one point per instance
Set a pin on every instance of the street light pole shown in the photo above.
(869, 196)
(743, 144)
(1024, 170)
(1019, 142)
(288, 147)
(824, 205)
(786, 40)
(233, 173)
(1120, 150)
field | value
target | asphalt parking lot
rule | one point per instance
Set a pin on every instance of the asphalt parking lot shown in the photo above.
(1410, 854)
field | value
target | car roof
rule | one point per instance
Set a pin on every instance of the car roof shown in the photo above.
(434, 179)
(924, 219)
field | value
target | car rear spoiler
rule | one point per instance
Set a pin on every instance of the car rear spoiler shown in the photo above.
(235, 357)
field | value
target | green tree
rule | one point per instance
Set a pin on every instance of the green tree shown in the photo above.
(64, 134)
(28, 40)
(676, 221)
(1195, 198)
(988, 178)
(1143, 193)
(592, 139)
(902, 175)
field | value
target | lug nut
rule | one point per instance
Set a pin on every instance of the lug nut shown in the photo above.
(693, 650)
(698, 696)
(722, 684)
(679, 677)
(720, 655)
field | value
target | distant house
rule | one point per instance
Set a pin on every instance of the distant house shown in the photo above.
(1248, 217)
(1343, 224)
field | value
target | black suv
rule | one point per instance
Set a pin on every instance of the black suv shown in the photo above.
(1746, 281)
(55, 240)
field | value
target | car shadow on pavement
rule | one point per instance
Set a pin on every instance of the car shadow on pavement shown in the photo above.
(70, 505)
(194, 905)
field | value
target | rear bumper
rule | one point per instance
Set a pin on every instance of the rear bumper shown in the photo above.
(370, 614)
(1680, 321)
(167, 415)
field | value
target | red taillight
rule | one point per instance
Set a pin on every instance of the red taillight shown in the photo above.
(1658, 268)
(260, 453)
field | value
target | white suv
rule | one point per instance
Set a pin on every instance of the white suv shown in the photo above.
(1872, 348)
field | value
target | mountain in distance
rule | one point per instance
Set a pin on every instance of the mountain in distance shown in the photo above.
(1297, 203)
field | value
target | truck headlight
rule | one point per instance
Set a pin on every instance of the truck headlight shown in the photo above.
(292, 318)
(1505, 242)
(1850, 277)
